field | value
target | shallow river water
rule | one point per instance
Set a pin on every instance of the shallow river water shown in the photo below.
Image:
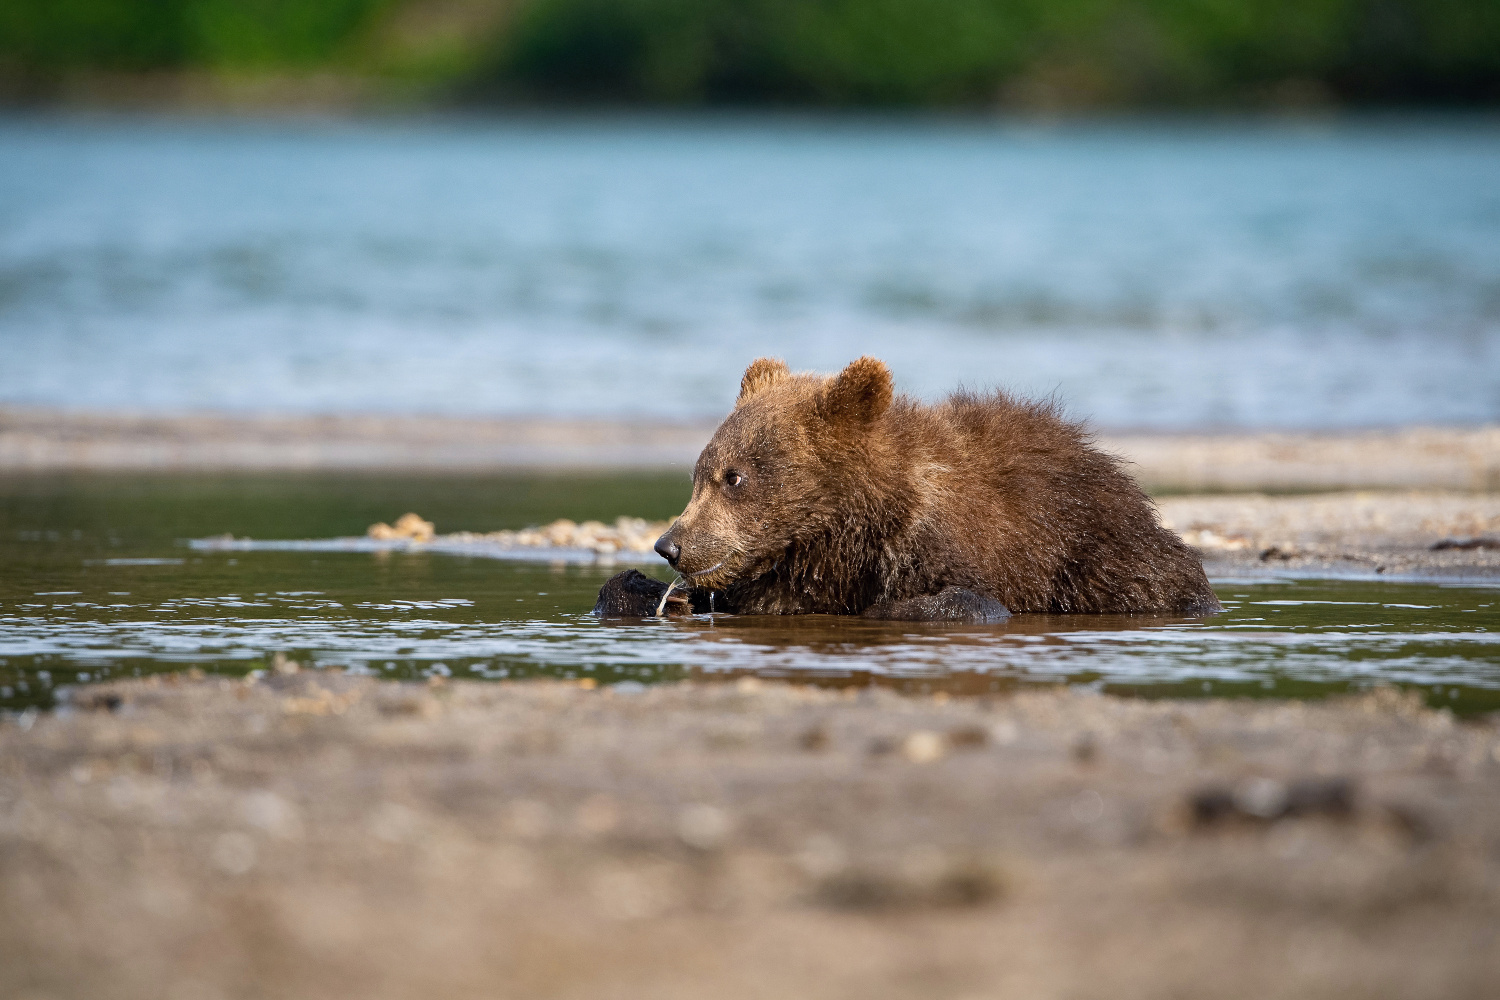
(96, 583)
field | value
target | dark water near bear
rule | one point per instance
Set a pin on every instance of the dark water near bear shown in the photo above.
(95, 583)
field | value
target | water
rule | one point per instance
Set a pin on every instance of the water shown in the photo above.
(1164, 274)
(96, 585)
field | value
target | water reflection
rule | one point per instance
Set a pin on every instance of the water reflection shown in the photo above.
(517, 620)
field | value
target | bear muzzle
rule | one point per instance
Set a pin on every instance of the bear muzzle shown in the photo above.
(696, 561)
(668, 549)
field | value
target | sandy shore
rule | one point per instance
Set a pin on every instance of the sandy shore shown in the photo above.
(41, 440)
(1437, 514)
(48, 440)
(1419, 536)
(1412, 536)
(323, 835)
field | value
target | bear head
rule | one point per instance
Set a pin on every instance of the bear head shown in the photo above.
(797, 458)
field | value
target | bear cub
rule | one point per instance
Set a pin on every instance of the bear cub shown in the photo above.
(832, 495)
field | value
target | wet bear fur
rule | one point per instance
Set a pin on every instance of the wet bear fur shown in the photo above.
(833, 495)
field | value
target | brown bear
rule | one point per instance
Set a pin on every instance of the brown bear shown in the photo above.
(832, 495)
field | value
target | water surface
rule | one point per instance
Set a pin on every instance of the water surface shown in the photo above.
(1158, 273)
(95, 584)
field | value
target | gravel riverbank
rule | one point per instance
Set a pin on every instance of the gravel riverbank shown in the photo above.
(41, 440)
(1446, 537)
(1417, 536)
(316, 834)
(1416, 503)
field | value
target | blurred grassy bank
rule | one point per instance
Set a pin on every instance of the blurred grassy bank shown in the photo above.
(1019, 53)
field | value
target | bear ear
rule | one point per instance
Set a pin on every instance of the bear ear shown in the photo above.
(763, 372)
(858, 394)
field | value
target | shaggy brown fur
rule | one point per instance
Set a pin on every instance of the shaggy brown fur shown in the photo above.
(832, 495)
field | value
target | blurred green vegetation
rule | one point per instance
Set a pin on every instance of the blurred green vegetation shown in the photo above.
(42, 36)
(830, 52)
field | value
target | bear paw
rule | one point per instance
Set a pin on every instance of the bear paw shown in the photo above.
(633, 594)
(951, 604)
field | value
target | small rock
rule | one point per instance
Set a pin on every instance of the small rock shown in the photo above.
(409, 703)
(968, 737)
(1465, 544)
(267, 811)
(931, 881)
(93, 700)
(1210, 805)
(1267, 800)
(408, 526)
(924, 747)
(1332, 797)
(703, 826)
(813, 739)
(1263, 798)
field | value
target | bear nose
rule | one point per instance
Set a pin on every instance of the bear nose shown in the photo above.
(668, 549)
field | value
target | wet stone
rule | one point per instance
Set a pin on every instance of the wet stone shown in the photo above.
(1260, 799)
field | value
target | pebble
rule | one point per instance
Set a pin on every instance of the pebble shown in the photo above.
(269, 812)
(409, 526)
(924, 747)
(1264, 799)
(814, 738)
(702, 826)
(926, 878)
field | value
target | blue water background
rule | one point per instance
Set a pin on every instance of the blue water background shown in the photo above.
(1156, 273)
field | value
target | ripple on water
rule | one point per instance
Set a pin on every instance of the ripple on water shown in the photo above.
(124, 597)
(1277, 635)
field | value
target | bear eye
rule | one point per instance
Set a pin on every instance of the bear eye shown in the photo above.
(733, 478)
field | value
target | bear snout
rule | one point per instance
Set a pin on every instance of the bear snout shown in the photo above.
(668, 549)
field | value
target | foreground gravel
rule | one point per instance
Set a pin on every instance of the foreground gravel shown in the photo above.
(320, 835)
